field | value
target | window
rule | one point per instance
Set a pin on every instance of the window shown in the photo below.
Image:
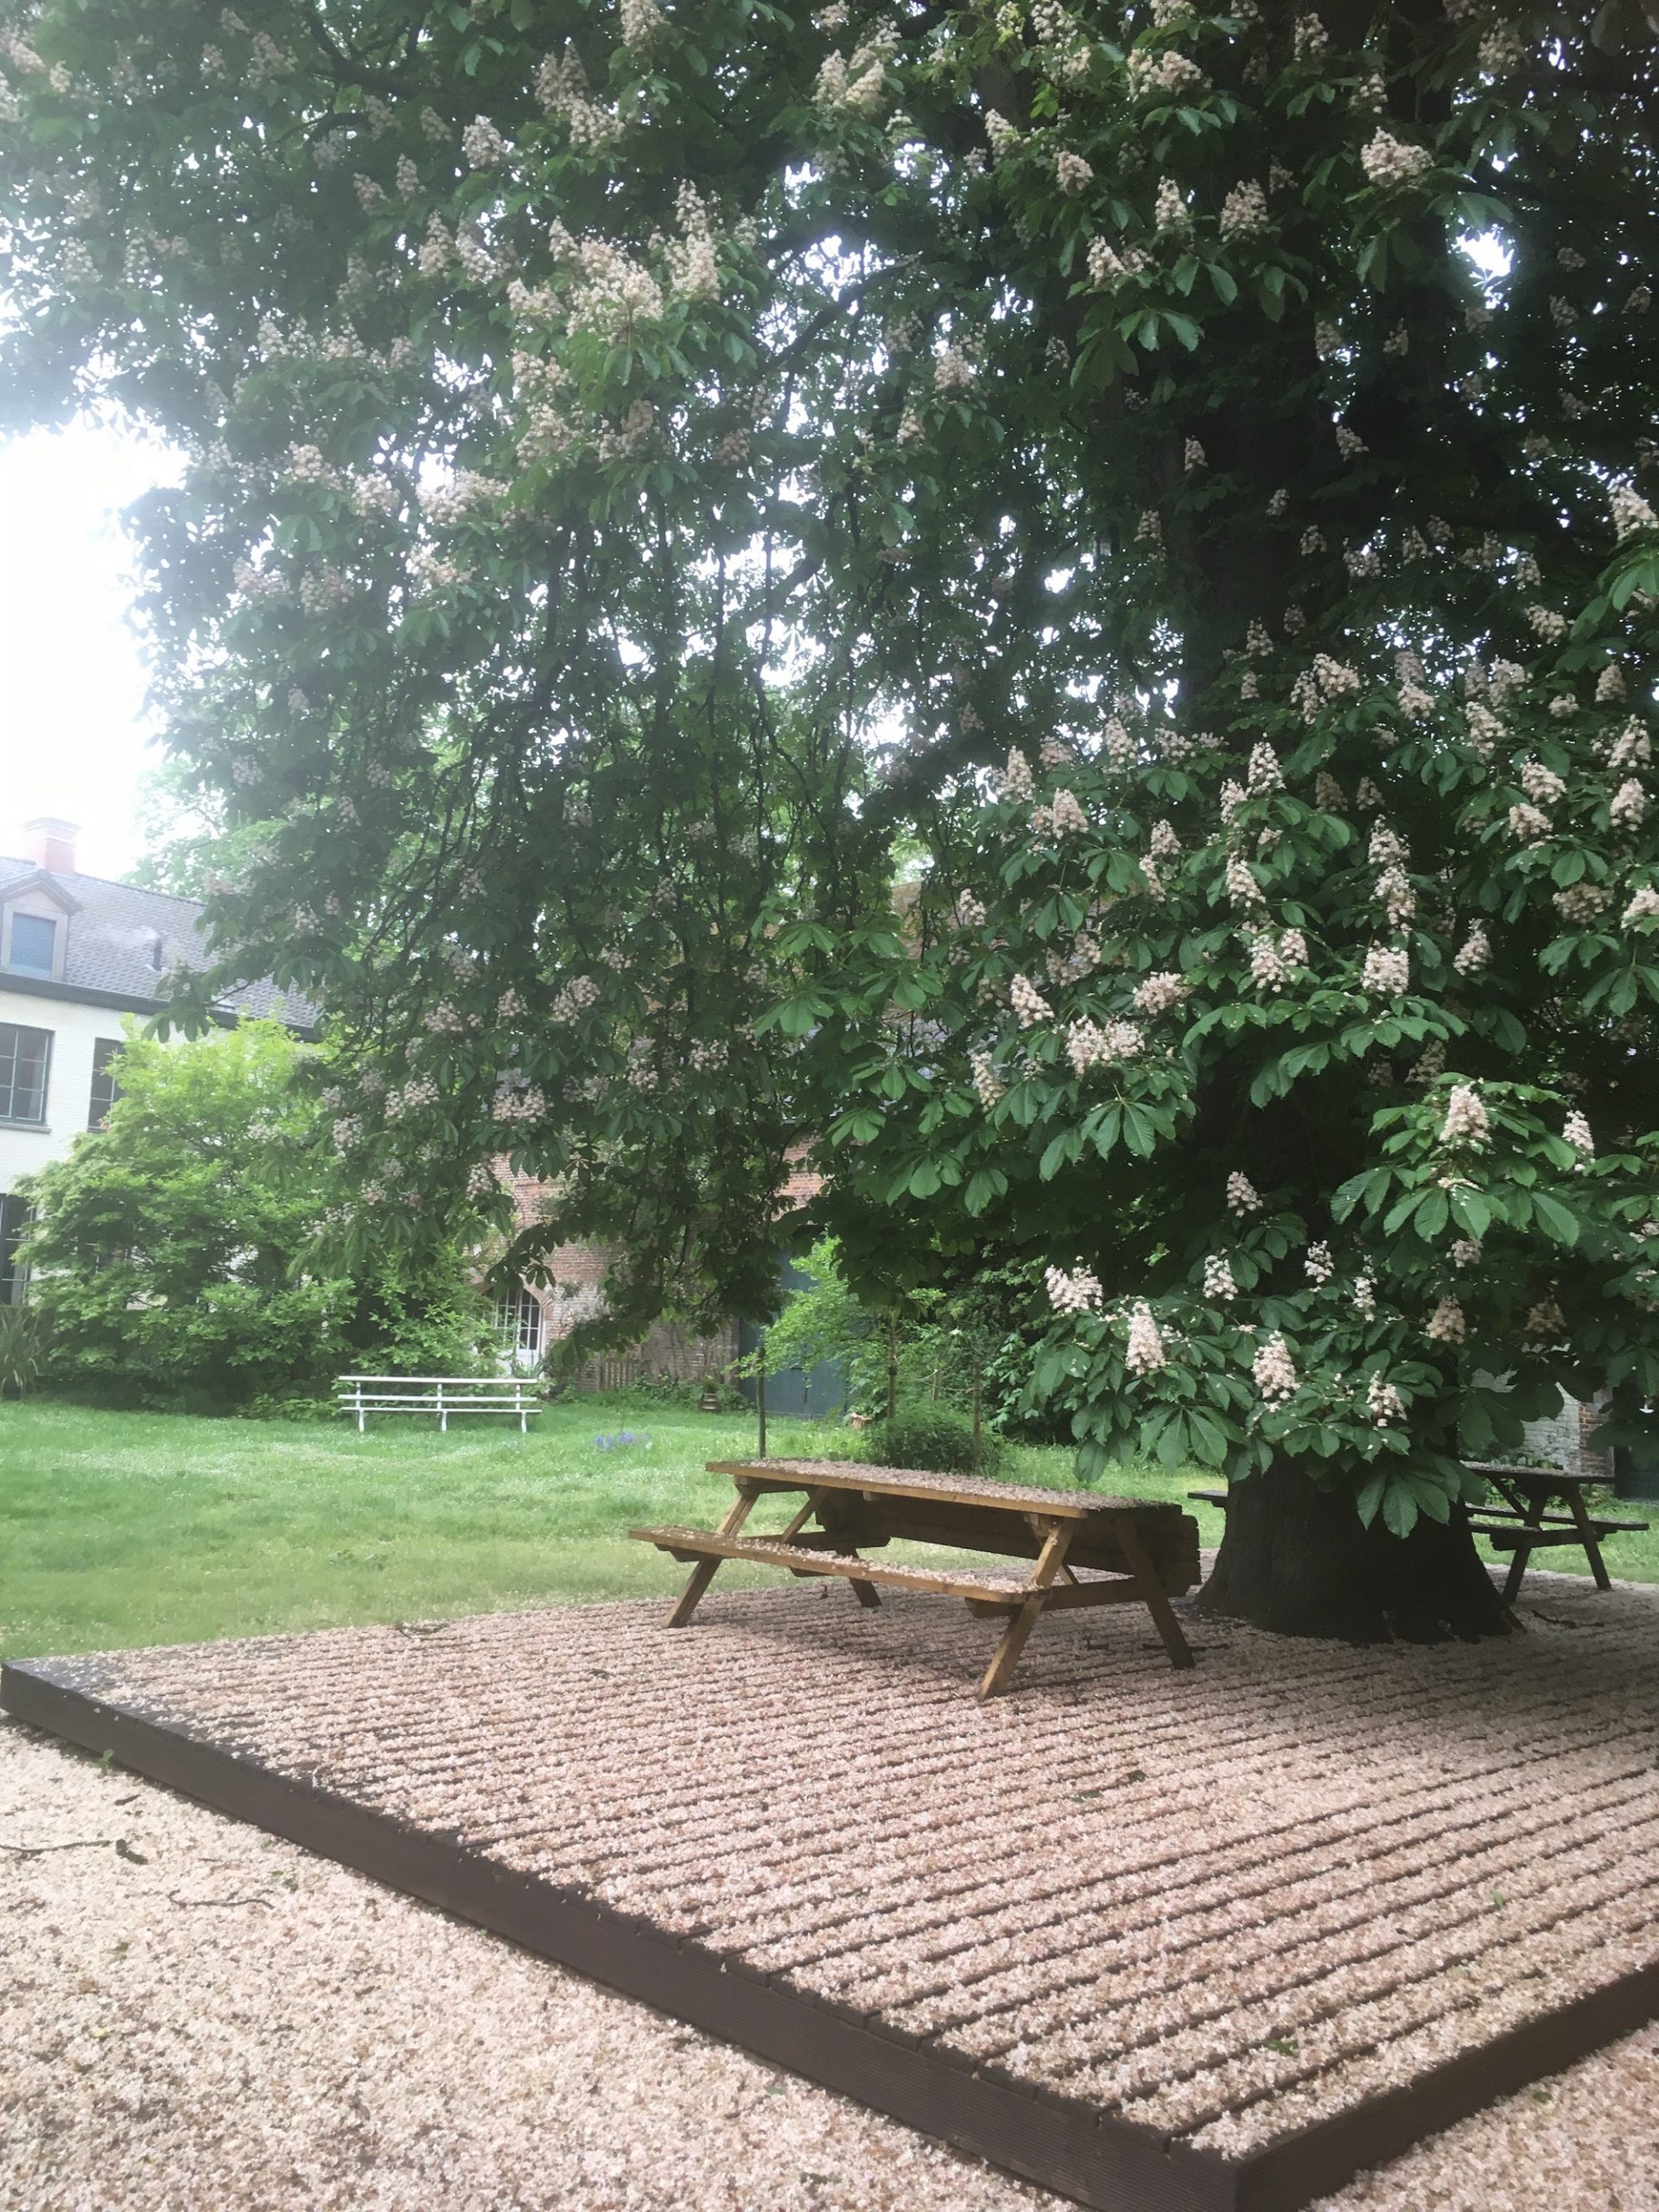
(24, 1056)
(105, 1089)
(34, 941)
(518, 1322)
(13, 1215)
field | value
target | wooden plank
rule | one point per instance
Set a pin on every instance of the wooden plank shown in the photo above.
(1070, 1597)
(704, 1572)
(1056, 1539)
(1508, 1539)
(767, 1551)
(1179, 1650)
(954, 1490)
(873, 1521)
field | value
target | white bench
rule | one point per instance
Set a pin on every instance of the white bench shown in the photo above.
(443, 1395)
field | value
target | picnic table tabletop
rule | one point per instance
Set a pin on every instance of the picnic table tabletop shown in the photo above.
(912, 1482)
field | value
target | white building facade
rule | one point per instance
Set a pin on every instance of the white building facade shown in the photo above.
(79, 957)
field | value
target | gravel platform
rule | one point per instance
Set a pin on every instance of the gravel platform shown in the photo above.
(1220, 1903)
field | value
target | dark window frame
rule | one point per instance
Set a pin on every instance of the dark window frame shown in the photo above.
(11, 1058)
(14, 1219)
(106, 1090)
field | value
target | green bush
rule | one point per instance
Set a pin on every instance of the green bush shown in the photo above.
(935, 1438)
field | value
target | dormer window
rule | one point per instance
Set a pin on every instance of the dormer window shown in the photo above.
(32, 950)
(35, 918)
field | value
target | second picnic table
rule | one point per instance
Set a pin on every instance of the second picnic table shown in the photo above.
(1523, 1523)
(1130, 1550)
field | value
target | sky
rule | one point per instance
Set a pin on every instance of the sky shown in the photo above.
(72, 724)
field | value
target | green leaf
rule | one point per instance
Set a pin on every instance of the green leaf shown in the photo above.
(1554, 1219)
(1431, 1217)
(1399, 1507)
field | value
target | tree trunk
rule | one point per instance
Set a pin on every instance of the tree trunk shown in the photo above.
(1296, 1559)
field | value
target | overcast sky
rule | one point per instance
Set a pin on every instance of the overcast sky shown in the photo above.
(73, 727)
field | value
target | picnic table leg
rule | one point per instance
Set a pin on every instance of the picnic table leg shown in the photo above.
(1056, 1544)
(1580, 1514)
(1534, 1509)
(1154, 1597)
(704, 1572)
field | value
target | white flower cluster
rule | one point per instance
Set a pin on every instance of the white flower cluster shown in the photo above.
(1610, 686)
(1386, 973)
(857, 85)
(1631, 513)
(1631, 748)
(987, 1082)
(1387, 161)
(1383, 1402)
(1166, 74)
(1446, 1325)
(1576, 1130)
(1169, 208)
(1643, 907)
(418, 1091)
(1274, 1372)
(970, 913)
(1349, 444)
(1242, 1197)
(641, 20)
(1242, 889)
(1393, 891)
(575, 998)
(1065, 818)
(1218, 1282)
(482, 145)
(1466, 1120)
(1028, 1002)
(1265, 773)
(1544, 622)
(1484, 730)
(1628, 805)
(1145, 1353)
(1077, 1292)
(1118, 742)
(1072, 173)
(1465, 1252)
(1160, 993)
(1541, 784)
(1193, 457)
(1088, 1046)
(1163, 843)
(1318, 1265)
(1365, 1296)
(1475, 951)
(1580, 904)
(1108, 267)
(1017, 781)
(1528, 825)
(1244, 212)
(1271, 964)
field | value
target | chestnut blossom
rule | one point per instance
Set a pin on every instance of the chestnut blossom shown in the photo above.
(1168, 75)
(1218, 1279)
(1631, 748)
(1576, 1130)
(1383, 1402)
(987, 1082)
(1466, 1120)
(1077, 1292)
(1018, 781)
(1067, 817)
(1475, 951)
(1088, 1047)
(1169, 209)
(1643, 907)
(1545, 1321)
(1145, 1353)
(1073, 173)
(1163, 843)
(1387, 161)
(1241, 1198)
(1446, 1325)
(1274, 1372)
(1028, 1002)
(1465, 1252)
(1527, 825)
(1628, 805)
(1386, 973)
(1244, 211)
(1631, 513)
(1318, 1265)
(1365, 1295)
(1160, 993)
(1193, 457)
(971, 914)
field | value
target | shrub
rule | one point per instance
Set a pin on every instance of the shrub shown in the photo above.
(934, 1438)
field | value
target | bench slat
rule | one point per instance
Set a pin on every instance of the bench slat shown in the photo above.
(802, 1558)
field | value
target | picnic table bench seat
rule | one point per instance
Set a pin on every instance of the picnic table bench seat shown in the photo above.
(1087, 1550)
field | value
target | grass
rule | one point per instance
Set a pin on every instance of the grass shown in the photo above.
(132, 1529)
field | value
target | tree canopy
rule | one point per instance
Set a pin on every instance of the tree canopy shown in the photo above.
(643, 463)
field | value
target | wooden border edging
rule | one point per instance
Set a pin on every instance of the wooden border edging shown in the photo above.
(1106, 2164)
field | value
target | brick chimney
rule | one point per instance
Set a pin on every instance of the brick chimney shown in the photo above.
(52, 843)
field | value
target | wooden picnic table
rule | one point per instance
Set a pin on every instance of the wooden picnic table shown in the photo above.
(1087, 1550)
(1524, 1524)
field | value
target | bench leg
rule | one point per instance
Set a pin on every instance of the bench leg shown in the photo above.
(1580, 1513)
(1155, 1598)
(705, 1570)
(1050, 1559)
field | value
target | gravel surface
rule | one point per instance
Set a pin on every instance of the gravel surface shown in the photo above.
(1223, 1902)
(213, 2021)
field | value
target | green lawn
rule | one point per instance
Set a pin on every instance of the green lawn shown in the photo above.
(130, 1528)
